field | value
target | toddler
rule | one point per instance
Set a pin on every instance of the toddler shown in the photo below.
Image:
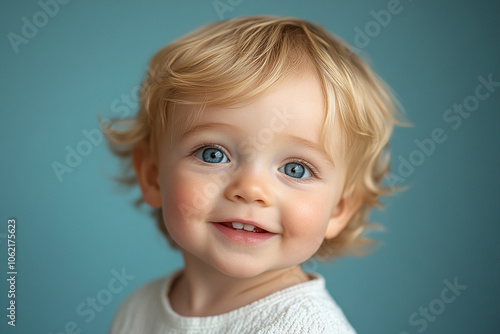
(260, 142)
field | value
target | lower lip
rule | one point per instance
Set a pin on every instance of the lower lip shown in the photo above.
(242, 236)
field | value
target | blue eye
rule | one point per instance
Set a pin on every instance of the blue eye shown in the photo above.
(295, 170)
(212, 155)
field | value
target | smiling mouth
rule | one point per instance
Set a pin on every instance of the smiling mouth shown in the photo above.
(243, 227)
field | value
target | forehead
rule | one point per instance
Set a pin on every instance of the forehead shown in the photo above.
(295, 105)
(291, 112)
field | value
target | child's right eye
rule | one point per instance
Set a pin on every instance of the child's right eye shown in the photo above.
(211, 155)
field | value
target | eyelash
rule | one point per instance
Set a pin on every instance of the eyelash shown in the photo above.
(299, 160)
(314, 171)
(208, 145)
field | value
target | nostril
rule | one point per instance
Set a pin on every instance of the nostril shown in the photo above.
(241, 198)
(248, 191)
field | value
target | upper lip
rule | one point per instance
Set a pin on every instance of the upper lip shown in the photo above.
(243, 221)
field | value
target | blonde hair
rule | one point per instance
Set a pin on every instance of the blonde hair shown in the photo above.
(232, 61)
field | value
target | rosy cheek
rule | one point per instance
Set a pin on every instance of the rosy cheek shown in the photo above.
(308, 219)
(178, 207)
(181, 199)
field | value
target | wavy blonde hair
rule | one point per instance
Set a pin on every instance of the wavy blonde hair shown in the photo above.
(232, 61)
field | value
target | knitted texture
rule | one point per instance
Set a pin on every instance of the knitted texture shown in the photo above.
(303, 308)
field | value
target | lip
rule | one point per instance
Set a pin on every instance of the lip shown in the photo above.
(244, 222)
(241, 236)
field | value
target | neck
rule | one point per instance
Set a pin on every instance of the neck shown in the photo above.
(201, 290)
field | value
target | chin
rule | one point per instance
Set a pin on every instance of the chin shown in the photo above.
(239, 268)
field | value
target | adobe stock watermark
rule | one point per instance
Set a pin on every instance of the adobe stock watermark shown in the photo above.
(223, 6)
(248, 147)
(122, 108)
(381, 19)
(421, 318)
(453, 117)
(87, 310)
(31, 26)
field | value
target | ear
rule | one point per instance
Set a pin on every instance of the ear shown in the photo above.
(346, 208)
(146, 171)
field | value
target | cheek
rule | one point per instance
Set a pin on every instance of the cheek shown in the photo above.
(187, 197)
(308, 218)
(181, 199)
(181, 205)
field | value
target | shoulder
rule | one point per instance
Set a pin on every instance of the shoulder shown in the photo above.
(306, 308)
(141, 308)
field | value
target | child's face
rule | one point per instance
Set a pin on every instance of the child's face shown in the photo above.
(260, 162)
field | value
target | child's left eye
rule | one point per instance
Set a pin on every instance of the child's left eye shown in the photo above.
(295, 170)
(211, 155)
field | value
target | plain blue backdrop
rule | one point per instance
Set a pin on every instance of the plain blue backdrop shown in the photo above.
(76, 232)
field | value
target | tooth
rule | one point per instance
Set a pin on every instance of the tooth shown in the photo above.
(248, 227)
(237, 225)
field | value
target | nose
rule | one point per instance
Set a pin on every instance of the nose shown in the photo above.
(249, 186)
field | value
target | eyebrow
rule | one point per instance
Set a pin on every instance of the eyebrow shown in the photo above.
(294, 140)
(209, 127)
(297, 141)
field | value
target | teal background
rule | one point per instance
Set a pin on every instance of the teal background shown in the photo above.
(71, 235)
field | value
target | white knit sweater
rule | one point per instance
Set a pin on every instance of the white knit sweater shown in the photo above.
(303, 308)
